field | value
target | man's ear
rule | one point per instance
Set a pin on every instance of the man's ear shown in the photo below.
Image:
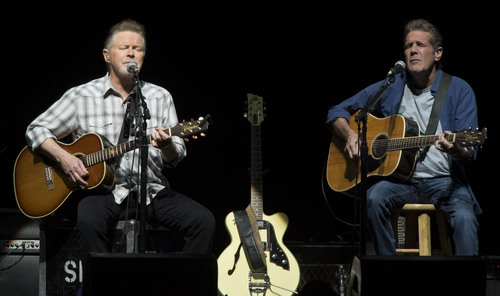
(105, 53)
(438, 54)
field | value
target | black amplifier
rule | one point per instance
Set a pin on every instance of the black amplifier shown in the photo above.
(18, 234)
(19, 254)
(324, 267)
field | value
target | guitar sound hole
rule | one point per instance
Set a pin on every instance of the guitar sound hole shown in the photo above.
(379, 146)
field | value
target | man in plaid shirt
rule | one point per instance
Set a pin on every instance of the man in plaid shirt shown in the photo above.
(100, 106)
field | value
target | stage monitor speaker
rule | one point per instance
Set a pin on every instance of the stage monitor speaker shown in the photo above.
(416, 275)
(144, 274)
(493, 275)
(61, 268)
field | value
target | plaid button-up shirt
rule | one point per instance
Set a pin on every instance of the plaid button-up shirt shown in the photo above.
(97, 107)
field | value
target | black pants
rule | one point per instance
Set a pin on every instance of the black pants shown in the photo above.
(99, 213)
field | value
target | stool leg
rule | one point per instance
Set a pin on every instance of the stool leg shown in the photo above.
(424, 234)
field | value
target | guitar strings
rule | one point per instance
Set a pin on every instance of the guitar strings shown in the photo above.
(401, 143)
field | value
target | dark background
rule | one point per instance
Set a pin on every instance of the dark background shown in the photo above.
(302, 57)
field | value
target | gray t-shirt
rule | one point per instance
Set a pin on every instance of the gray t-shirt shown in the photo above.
(417, 105)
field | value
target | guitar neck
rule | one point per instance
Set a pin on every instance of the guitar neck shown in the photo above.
(256, 195)
(255, 116)
(182, 130)
(413, 142)
(112, 152)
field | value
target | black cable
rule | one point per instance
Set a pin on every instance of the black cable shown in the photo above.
(18, 260)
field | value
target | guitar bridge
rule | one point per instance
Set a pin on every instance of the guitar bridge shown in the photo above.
(258, 282)
(49, 177)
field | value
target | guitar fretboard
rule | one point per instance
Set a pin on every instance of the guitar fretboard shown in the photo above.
(410, 142)
(256, 197)
(183, 129)
(111, 152)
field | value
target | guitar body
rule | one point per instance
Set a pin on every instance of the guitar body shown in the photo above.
(40, 189)
(344, 173)
(237, 283)
(277, 271)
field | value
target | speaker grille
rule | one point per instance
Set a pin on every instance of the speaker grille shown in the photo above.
(19, 275)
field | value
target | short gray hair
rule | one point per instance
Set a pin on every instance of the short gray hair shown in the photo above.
(426, 26)
(127, 25)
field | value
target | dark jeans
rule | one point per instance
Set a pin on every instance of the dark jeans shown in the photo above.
(99, 213)
(445, 193)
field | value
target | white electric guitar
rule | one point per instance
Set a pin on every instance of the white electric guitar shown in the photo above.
(281, 275)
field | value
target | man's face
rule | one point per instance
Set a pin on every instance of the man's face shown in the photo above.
(419, 54)
(127, 47)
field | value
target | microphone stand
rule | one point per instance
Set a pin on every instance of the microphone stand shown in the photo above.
(362, 118)
(144, 161)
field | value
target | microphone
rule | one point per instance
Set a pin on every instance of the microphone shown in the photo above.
(399, 67)
(132, 67)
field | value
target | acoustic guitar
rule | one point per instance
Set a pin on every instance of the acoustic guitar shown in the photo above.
(392, 143)
(41, 188)
(281, 274)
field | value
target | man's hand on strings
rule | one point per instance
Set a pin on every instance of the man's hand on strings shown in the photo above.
(443, 145)
(160, 139)
(352, 146)
(74, 168)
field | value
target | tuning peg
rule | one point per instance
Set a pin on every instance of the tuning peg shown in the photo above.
(195, 137)
(203, 134)
(186, 140)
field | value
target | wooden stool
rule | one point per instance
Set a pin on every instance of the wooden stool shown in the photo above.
(420, 212)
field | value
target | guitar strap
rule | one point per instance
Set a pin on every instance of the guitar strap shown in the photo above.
(250, 239)
(437, 107)
(125, 131)
(127, 120)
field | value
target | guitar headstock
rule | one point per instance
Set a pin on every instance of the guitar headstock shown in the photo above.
(471, 138)
(193, 128)
(256, 109)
